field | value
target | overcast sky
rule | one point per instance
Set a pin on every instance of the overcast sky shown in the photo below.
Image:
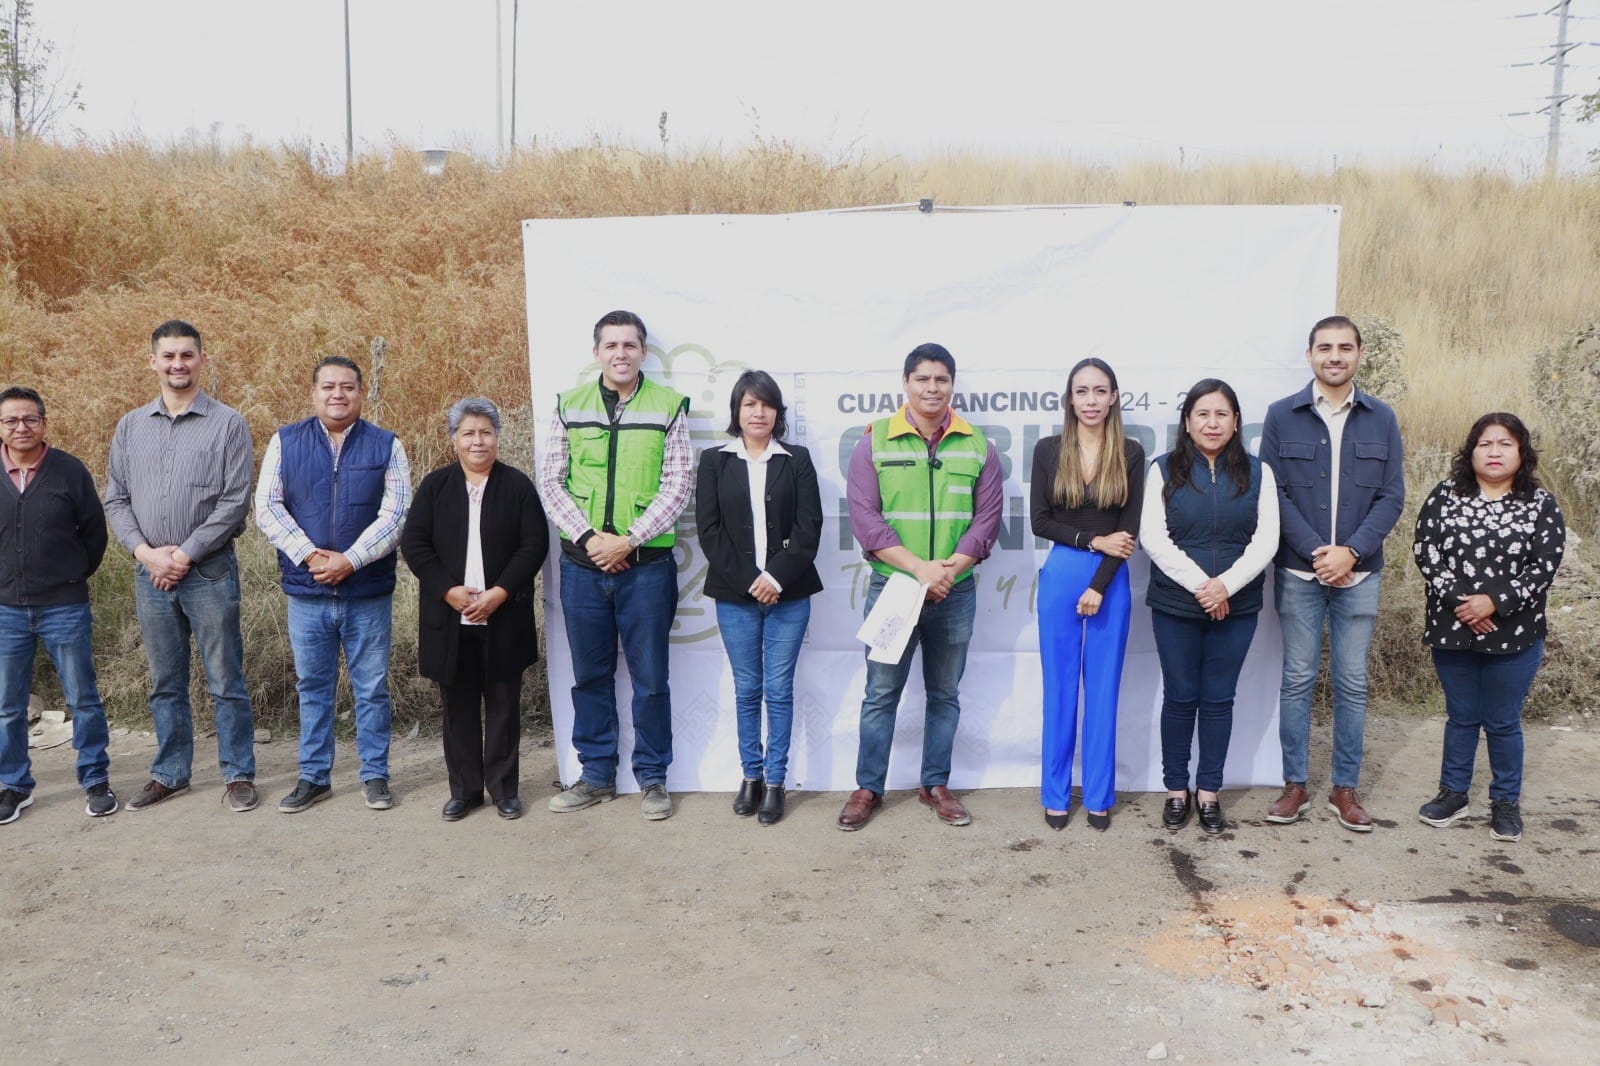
(1362, 80)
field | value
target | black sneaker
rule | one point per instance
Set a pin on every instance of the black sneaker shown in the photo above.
(303, 796)
(11, 804)
(1444, 809)
(377, 794)
(1505, 821)
(102, 801)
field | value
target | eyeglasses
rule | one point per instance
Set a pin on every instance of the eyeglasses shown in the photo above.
(31, 421)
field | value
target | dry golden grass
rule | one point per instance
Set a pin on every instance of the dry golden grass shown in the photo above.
(279, 260)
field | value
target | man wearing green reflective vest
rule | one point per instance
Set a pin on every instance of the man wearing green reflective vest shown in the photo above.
(926, 497)
(614, 477)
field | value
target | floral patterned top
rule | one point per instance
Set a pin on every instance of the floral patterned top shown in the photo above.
(1507, 549)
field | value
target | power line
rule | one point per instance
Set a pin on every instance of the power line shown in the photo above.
(1558, 61)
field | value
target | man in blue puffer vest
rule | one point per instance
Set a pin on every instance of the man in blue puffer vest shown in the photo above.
(332, 498)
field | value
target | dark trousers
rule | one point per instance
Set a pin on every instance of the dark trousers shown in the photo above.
(482, 725)
(1485, 692)
(1200, 665)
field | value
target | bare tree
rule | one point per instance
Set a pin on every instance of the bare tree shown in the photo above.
(32, 95)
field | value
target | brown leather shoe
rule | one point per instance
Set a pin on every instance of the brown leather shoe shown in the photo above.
(1347, 805)
(945, 805)
(858, 809)
(1288, 807)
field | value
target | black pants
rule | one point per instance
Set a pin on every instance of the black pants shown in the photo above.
(482, 725)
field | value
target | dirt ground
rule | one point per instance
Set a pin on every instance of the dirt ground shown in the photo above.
(187, 933)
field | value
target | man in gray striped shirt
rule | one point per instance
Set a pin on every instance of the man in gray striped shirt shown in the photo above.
(177, 496)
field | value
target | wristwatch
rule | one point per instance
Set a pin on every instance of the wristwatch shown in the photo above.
(1354, 554)
(635, 541)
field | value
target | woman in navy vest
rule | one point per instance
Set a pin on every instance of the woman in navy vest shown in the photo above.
(1210, 527)
(758, 511)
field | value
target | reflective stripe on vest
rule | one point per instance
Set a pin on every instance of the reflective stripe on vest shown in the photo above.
(614, 465)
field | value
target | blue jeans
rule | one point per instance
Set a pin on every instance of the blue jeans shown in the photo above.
(763, 645)
(636, 606)
(1350, 614)
(944, 630)
(67, 633)
(318, 625)
(1075, 651)
(205, 604)
(1200, 664)
(1485, 692)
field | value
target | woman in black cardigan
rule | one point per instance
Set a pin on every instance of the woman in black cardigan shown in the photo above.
(476, 537)
(761, 570)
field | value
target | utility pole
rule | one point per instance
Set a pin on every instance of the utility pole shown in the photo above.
(1552, 150)
(499, 84)
(514, 4)
(349, 121)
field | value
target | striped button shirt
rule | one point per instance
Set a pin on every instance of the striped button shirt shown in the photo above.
(181, 481)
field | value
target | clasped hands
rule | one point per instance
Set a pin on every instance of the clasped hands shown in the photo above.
(1476, 610)
(1213, 599)
(328, 567)
(167, 565)
(475, 605)
(1333, 564)
(609, 551)
(939, 575)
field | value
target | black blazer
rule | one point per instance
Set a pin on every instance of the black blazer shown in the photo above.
(723, 521)
(434, 543)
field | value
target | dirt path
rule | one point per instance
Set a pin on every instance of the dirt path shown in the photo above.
(189, 934)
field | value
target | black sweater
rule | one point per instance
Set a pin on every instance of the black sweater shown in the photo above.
(1077, 526)
(52, 536)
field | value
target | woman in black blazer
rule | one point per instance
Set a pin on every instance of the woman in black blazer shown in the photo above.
(476, 537)
(761, 570)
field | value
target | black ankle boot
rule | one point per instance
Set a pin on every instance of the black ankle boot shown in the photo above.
(771, 806)
(749, 798)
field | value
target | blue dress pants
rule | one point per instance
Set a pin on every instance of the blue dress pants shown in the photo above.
(1087, 652)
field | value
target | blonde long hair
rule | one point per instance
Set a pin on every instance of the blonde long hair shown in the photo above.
(1110, 485)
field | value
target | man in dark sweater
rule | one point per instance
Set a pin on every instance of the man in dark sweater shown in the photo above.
(52, 537)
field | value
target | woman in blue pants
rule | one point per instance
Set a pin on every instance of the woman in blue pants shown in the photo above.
(1087, 491)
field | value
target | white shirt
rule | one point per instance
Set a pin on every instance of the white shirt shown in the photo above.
(473, 578)
(1334, 418)
(756, 469)
(1177, 565)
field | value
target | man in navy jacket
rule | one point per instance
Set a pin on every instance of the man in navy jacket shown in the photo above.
(1337, 457)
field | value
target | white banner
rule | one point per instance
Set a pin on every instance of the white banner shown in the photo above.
(830, 304)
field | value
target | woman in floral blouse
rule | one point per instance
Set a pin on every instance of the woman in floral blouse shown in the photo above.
(1488, 542)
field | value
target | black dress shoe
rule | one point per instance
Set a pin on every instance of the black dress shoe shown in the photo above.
(1175, 814)
(771, 812)
(1058, 822)
(749, 797)
(1099, 822)
(457, 809)
(510, 807)
(1211, 817)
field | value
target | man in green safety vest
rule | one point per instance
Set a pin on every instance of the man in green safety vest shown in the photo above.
(926, 496)
(614, 477)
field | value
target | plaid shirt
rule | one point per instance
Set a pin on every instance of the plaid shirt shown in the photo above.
(377, 540)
